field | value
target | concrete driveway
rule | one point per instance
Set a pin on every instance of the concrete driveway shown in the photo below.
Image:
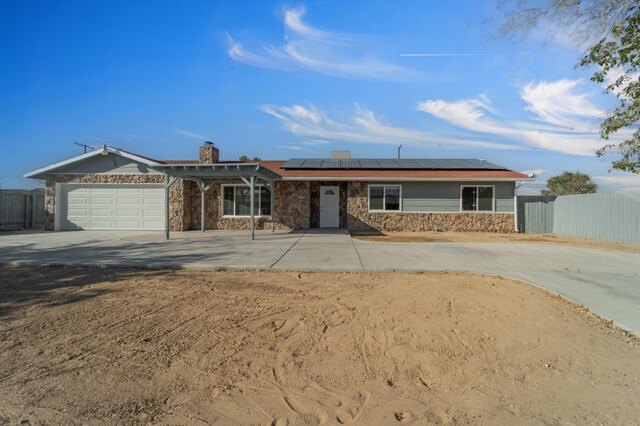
(608, 282)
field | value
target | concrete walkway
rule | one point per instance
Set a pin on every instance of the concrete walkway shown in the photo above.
(608, 282)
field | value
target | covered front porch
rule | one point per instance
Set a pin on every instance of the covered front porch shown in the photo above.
(257, 182)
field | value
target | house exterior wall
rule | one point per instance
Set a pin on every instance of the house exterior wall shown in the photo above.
(314, 202)
(360, 219)
(445, 196)
(179, 210)
(426, 205)
(291, 209)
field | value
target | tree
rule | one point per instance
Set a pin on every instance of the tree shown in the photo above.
(245, 158)
(618, 58)
(583, 19)
(616, 26)
(570, 183)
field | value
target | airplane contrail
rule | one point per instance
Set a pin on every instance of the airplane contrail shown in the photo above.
(474, 54)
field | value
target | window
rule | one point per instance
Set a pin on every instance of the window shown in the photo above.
(384, 197)
(477, 198)
(236, 200)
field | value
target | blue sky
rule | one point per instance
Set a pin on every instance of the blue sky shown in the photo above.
(281, 80)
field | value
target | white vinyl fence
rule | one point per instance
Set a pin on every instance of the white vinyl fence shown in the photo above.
(21, 209)
(605, 216)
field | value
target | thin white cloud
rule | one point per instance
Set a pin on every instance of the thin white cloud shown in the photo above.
(314, 142)
(367, 128)
(626, 184)
(558, 103)
(619, 75)
(294, 148)
(238, 53)
(562, 119)
(312, 49)
(189, 134)
(293, 22)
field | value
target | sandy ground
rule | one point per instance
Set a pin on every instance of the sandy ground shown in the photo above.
(117, 346)
(488, 237)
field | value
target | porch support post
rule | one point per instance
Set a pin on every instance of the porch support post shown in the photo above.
(252, 185)
(202, 225)
(203, 190)
(170, 180)
(272, 191)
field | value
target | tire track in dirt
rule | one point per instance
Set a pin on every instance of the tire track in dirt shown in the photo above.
(285, 348)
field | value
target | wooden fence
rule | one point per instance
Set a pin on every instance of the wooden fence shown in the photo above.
(535, 214)
(606, 216)
(21, 209)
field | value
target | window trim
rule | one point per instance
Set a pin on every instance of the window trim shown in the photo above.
(384, 198)
(493, 202)
(257, 186)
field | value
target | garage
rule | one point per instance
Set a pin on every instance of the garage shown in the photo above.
(110, 207)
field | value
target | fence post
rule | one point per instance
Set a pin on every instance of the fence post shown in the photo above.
(26, 211)
(33, 209)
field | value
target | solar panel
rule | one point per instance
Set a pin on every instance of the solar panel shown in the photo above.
(392, 164)
(368, 164)
(312, 164)
(331, 164)
(295, 162)
(350, 164)
(450, 164)
(386, 164)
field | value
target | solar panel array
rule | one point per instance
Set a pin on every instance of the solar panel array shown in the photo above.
(392, 164)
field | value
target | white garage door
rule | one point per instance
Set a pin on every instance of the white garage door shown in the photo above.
(110, 207)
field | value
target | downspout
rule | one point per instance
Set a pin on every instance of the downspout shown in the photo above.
(515, 205)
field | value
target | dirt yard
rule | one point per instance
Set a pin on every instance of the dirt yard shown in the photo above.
(488, 237)
(116, 346)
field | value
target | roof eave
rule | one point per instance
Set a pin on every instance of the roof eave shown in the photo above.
(406, 179)
(40, 174)
(200, 170)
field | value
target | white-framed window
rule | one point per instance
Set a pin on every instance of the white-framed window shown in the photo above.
(385, 198)
(477, 198)
(236, 200)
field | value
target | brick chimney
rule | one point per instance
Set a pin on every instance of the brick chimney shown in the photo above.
(209, 154)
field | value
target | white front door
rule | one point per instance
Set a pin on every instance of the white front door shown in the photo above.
(329, 207)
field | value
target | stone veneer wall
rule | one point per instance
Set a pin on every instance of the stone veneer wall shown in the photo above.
(179, 211)
(292, 209)
(296, 208)
(292, 204)
(361, 220)
(314, 202)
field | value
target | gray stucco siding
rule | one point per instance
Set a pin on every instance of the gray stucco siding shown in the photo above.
(111, 163)
(444, 197)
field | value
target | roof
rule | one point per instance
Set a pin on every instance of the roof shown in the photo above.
(391, 164)
(39, 173)
(326, 169)
(395, 174)
(217, 171)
